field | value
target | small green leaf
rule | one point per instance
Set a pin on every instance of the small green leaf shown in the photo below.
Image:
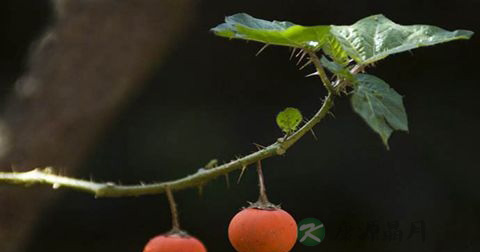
(283, 33)
(379, 105)
(375, 37)
(289, 119)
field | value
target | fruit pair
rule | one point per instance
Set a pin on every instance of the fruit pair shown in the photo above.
(251, 230)
(262, 227)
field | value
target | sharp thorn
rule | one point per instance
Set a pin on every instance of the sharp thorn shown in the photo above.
(259, 146)
(306, 64)
(312, 74)
(227, 179)
(299, 52)
(336, 83)
(261, 49)
(301, 57)
(293, 53)
(313, 133)
(241, 174)
(200, 190)
(211, 164)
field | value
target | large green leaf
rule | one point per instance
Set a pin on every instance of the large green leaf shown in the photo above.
(379, 105)
(244, 26)
(368, 40)
(375, 37)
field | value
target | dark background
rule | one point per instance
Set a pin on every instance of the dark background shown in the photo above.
(213, 99)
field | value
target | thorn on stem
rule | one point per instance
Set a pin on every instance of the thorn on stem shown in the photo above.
(306, 64)
(211, 164)
(227, 180)
(241, 174)
(48, 170)
(292, 53)
(301, 57)
(259, 146)
(261, 49)
(299, 52)
(313, 134)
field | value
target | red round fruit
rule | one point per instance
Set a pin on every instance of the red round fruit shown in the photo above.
(262, 230)
(174, 243)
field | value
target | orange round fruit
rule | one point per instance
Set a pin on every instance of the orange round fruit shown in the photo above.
(262, 230)
(174, 243)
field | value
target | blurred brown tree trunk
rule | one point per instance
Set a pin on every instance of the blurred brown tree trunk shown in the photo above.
(95, 56)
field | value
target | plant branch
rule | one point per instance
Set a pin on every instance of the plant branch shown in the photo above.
(109, 189)
(201, 177)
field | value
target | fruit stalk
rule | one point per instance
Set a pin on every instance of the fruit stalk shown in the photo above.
(173, 210)
(262, 198)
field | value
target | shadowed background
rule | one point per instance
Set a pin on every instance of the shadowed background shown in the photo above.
(205, 97)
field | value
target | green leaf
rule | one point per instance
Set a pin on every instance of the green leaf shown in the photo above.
(283, 33)
(289, 119)
(368, 40)
(379, 105)
(375, 37)
(337, 69)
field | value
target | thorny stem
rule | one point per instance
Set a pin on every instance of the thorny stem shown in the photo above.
(201, 177)
(321, 71)
(173, 209)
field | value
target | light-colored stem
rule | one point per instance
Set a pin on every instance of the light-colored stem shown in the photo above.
(45, 176)
(201, 177)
